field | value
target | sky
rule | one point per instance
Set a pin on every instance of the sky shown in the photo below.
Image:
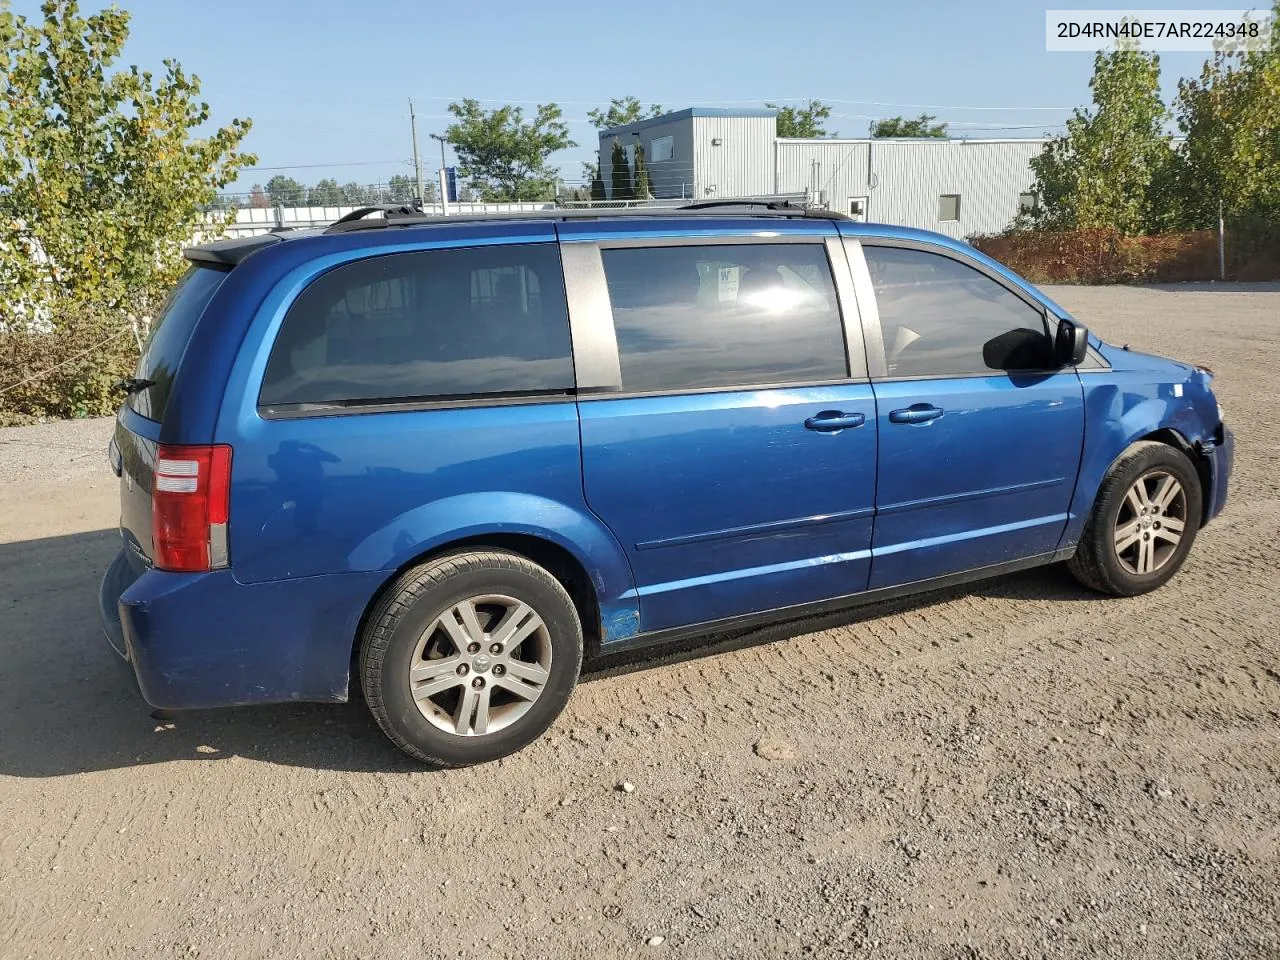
(327, 82)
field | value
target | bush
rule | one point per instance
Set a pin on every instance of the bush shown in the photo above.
(68, 370)
(1106, 256)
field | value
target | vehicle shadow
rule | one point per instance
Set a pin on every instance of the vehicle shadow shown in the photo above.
(67, 704)
(1043, 583)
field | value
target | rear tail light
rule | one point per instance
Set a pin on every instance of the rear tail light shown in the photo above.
(190, 500)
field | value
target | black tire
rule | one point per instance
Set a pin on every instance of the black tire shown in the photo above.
(1097, 563)
(416, 602)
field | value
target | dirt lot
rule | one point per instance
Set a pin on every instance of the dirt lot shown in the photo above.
(1015, 769)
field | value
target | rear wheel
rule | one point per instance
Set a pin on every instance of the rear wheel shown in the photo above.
(470, 657)
(1143, 523)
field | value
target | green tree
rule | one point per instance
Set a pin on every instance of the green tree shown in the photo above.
(802, 121)
(221, 203)
(326, 193)
(258, 198)
(504, 156)
(591, 172)
(622, 111)
(357, 195)
(1230, 116)
(1108, 169)
(401, 188)
(642, 188)
(104, 173)
(921, 126)
(286, 192)
(622, 187)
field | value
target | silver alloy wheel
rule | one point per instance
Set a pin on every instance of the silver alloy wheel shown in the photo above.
(481, 665)
(1151, 522)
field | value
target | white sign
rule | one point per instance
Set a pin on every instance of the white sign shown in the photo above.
(1166, 30)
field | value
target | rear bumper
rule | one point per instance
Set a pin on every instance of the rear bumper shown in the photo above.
(115, 582)
(206, 640)
(1221, 457)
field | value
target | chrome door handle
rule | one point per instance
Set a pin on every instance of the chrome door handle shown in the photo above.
(829, 421)
(916, 413)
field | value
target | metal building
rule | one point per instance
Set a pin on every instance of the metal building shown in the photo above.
(699, 152)
(957, 187)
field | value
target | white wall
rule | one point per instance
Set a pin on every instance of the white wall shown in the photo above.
(903, 179)
(741, 164)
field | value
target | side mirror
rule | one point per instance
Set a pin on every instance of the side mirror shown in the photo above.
(1071, 345)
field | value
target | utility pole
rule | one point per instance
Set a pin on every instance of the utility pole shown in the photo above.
(417, 162)
(444, 177)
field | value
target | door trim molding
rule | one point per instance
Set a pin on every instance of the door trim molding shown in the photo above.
(773, 526)
(798, 611)
(951, 498)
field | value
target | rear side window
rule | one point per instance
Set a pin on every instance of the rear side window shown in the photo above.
(434, 324)
(692, 317)
(942, 318)
(170, 333)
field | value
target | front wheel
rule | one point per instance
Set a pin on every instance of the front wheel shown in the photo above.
(1143, 523)
(470, 657)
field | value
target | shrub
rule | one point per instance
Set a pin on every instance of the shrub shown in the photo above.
(1106, 256)
(66, 369)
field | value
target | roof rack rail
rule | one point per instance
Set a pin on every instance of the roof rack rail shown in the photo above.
(745, 202)
(783, 207)
(388, 210)
(396, 215)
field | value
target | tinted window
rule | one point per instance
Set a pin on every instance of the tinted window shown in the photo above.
(169, 336)
(942, 318)
(733, 315)
(437, 323)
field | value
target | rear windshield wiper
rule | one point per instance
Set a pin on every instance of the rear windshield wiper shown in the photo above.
(132, 385)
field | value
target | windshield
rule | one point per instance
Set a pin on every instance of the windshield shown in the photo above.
(170, 334)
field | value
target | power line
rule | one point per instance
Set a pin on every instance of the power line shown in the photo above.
(340, 163)
(968, 124)
(762, 100)
(937, 106)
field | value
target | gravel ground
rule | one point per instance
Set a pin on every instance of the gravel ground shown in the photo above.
(1013, 769)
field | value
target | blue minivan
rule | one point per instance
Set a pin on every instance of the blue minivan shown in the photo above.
(456, 455)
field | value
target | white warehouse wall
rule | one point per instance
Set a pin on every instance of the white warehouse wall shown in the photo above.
(741, 164)
(903, 179)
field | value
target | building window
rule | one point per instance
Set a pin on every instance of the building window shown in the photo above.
(1028, 203)
(662, 148)
(858, 209)
(949, 207)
